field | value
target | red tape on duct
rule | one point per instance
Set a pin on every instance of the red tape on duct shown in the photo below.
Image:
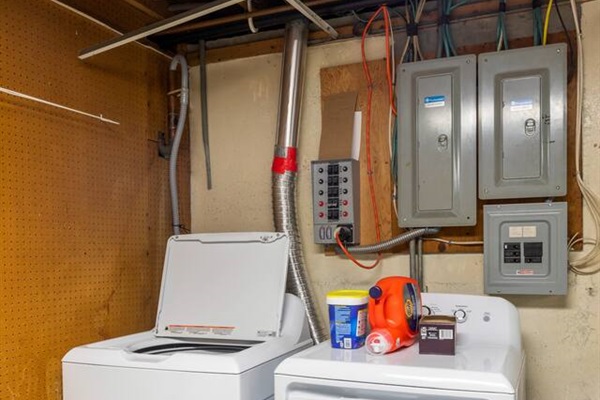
(281, 165)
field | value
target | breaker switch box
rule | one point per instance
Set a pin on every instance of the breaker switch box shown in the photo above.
(525, 248)
(336, 200)
(437, 142)
(522, 123)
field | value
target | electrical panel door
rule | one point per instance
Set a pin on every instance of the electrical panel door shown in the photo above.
(525, 248)
(437, 142)
(522, 114)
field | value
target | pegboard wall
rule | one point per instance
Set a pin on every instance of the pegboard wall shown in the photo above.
(84, 205)
(350, 78)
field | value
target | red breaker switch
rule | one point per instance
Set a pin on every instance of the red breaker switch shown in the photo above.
(321, 203)
(345, 202)
(321, 214)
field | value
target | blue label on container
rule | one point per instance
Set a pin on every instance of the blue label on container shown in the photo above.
(348, 326)
(412, 306)
(435, 101)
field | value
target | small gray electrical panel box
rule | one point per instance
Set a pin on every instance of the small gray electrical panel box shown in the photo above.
(336, 200)
(437, 119)
(525, 248)
(522, 123)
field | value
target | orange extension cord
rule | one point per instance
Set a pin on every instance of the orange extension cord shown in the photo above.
(388, 32)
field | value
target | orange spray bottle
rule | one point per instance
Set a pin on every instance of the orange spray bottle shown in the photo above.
(394, 313)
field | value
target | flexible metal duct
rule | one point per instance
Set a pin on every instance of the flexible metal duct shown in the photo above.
(285, 168)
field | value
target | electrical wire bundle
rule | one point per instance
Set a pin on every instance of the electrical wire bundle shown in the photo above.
(390, 74)
(412, 16)
(589, 263)
(536, 6)
(501, 36)
(445, 42)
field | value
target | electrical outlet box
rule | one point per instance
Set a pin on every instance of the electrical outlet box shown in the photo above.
(336, 199)
(525, 248)
(523, 123)
(437, 120)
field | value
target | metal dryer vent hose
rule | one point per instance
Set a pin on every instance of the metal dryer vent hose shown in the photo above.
(285, 168)
(184, 99)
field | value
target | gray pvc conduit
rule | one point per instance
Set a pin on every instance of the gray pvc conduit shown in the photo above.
(183, 100)
(285, 169)
(393, 242)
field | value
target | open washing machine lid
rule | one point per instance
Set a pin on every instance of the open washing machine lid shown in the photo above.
(223, 286)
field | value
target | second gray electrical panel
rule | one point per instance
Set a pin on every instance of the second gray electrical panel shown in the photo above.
(522, 123)
(437, 142)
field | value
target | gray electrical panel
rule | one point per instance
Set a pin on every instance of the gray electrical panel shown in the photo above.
(522, 123)
(336, 200)
(437, 111)
(525, 248)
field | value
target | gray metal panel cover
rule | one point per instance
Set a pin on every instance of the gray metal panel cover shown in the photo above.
(543, 225)
(437, 142)
(522, 123)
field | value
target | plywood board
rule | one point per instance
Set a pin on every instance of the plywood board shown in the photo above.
(350, 78)
(346, 78)
(84, 205)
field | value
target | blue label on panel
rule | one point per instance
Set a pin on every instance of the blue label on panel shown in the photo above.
(521, 104)
(435, 101)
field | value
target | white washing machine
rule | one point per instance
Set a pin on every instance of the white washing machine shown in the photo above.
(489, 363)
(223, 324)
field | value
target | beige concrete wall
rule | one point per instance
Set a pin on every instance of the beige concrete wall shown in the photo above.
(561, 334)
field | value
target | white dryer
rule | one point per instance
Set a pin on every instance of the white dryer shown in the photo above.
(489, 363)
(223, 325)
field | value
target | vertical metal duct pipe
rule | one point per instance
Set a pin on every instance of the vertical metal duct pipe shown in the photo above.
(285, 167)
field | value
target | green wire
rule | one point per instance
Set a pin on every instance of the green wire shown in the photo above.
(446, 47)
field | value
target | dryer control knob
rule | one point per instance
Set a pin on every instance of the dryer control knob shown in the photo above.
(461, 315)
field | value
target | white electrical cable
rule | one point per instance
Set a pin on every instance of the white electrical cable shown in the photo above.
(49, 103)
(582, 264)
(253, 28)
(391, 119)
(454, 242)
(416, 43)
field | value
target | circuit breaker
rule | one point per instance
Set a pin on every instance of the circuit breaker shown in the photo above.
(525, 248)
(523, 125)
(437, 142)
(336, 200)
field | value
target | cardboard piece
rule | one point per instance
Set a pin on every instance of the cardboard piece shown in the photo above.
(337, 122)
